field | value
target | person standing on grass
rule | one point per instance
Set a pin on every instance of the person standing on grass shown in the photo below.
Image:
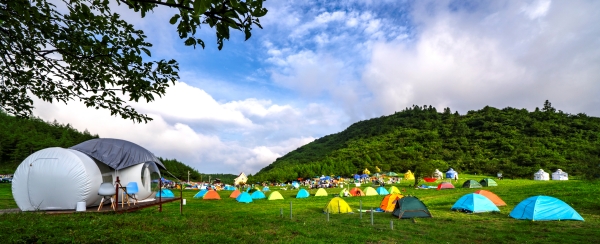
(455, 177)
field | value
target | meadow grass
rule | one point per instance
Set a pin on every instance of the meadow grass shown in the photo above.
(226, 221)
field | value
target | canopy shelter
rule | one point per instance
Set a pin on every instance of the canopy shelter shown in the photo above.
(474, 203)
(275, 196)
(258, 195)
(356, 192)
(370, 191)
(411, 207)
(393, 189)
(235, 193)
(540, 208)
(445, 185)
(389, 202)
(337, 205)
(541, 175)
(382, 191)
(409, 175)
(451, 174)
(201, 193)
(493, 197)
(321, 193)
(302, 194)
(488, 182)
(471, 184)
(244, 197)
(560, 175)
(211, 195)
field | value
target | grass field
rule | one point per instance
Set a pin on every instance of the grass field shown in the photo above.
(226, 221)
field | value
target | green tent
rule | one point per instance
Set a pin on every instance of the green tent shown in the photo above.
(488, 182)
(370, 191)
(411, 207)
(471, 184)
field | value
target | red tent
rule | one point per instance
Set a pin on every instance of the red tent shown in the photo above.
(445, 185)
(356, 192)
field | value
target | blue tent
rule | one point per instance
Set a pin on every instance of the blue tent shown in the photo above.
(382, 191)
(266, 188)
(165, 193)
(295, 184)
(229, 188)
(544, 208)
(258, 195)
(201, 193)
(356, 176)
(364, 176)
(244, 197)
(451, 173)
(302, 194)
(474, 203)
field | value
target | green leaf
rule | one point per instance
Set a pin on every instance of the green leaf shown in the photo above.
(174, 19)
(201, 6)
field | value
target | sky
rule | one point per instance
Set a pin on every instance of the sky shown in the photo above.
(317, 67)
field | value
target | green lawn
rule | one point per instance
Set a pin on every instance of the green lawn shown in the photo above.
(226, 221)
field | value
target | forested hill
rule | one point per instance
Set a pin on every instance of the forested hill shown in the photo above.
(514, 141)
(21, 137)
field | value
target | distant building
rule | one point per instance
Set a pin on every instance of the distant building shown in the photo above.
(241, 179)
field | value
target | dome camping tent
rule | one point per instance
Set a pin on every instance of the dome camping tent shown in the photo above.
(560, 175)
(235, 193)
(393, 189)
(493, 197)
(302, 194)
(337, 205)
(411, 207)
(471, 184)
(201, 193)
(211, 195)
(451, 174)
(80, 170)
(445, 185)
(275, 196)
(258, 195)
(356, 192)
(389, 202)
(544, 208)
(321, 193)
(370, 191)
(165, 193)
(488, 182)
(541, 175)
(244, 197)
(474, 203)
(409, 175)
(382, 191)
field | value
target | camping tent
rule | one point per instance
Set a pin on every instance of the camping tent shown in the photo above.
(493, 197)
(370, 191)
(445, 185)
(295, 184)
(302, 194)
(337, 205)
(343, 191)
(321, 193)
(411, 207)
(266, 188)
(409, 175)
(201, 193)
(229, 188)
(438, 174)
(382, 191)
(235, 193)
(541, 175)
(544, 208)
(244, 197)
(258, 195)
(389, 202)
(165, 193)
(59, 178)
(471, 184)
(275, 196)
(560, 175)
(451, 174)
(474, 203)
(392, 174)
(211, 195)
(393, 189)
(488, 182)
(356, 176)
(356, 192)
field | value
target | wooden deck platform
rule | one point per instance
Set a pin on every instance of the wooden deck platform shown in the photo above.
(106, 208)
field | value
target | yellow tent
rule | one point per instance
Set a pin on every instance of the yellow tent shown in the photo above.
(389, 202)
(321, 193)
(336, 206)
(409, 176)
(377, 169)
(275, 196)
(393, 189)
(366, 171)
(370, 191)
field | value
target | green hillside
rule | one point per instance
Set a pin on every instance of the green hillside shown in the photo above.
(514, 141)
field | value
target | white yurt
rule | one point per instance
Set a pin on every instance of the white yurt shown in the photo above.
(59, 178)
(438, 174)
(541, 175)
(560, 175)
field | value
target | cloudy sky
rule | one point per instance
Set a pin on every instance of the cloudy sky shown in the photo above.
(319, 66)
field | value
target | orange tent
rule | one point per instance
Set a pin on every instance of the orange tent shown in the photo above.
(211, 195)
(389, 202)
(493, 197)
(235, 193)
(356, 192)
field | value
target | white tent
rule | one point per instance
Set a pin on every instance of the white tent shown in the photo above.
(59, 178)
(438, 174)
(560, 175)
(541, 175)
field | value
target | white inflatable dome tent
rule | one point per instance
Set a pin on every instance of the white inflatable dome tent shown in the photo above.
(560, 175)
(541, 175)
(58, 178)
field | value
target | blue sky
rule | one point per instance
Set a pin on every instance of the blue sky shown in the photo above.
(319, 66)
